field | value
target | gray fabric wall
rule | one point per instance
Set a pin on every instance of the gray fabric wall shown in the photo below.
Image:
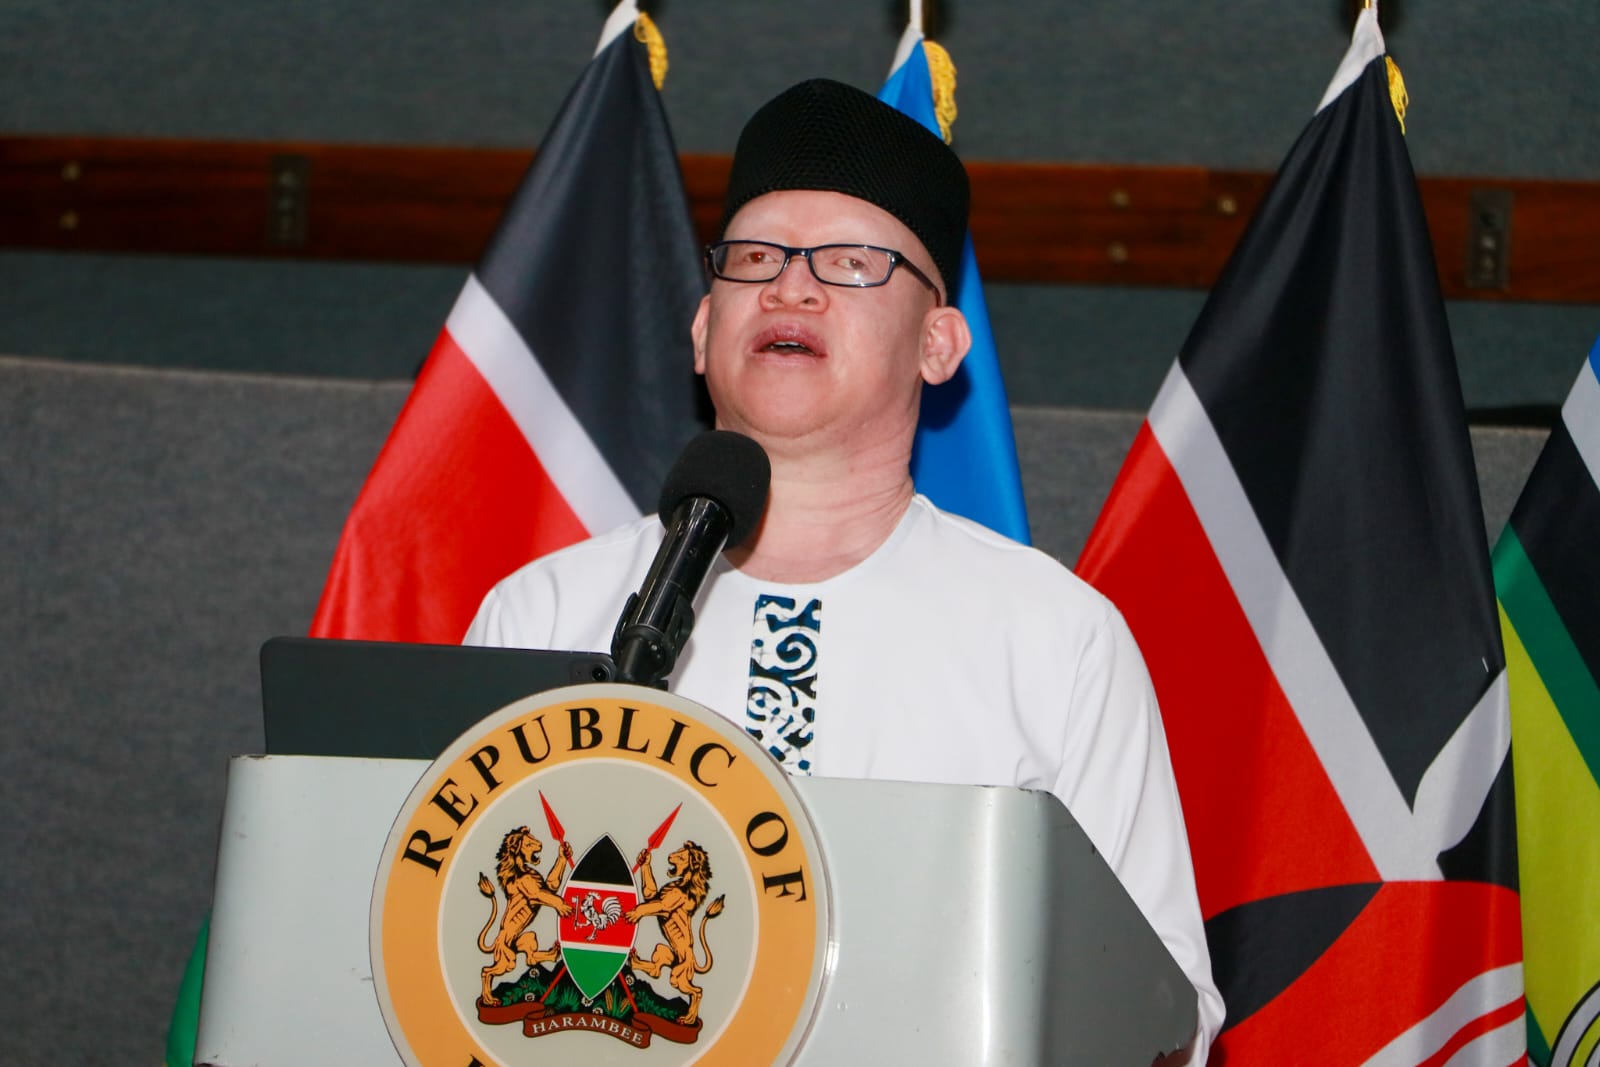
(155, 528)
(1495, 88)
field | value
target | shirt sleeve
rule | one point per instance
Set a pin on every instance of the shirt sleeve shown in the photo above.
(1116, 779)
(517, 613)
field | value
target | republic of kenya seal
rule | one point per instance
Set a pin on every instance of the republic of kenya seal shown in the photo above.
(602, 870)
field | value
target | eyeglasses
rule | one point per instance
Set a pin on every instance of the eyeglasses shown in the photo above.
(852, 266)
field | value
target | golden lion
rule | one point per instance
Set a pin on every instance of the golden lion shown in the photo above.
(674, 906)
(526, 889)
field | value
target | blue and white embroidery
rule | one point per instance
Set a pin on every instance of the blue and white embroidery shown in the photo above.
(781, 707)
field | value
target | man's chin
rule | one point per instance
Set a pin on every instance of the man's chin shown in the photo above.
(775, 411)
(777, 428)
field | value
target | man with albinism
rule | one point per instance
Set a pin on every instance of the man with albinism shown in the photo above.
(861, 632)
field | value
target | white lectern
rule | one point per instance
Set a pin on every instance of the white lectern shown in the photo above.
(964, 925)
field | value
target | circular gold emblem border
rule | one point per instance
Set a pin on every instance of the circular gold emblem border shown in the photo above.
(706, 753)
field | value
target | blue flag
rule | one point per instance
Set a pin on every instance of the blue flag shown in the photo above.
(964, 457)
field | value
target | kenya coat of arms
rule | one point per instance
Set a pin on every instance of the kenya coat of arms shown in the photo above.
(493, 924)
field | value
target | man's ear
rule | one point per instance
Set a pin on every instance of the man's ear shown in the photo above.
(945, 340)
(697, 332)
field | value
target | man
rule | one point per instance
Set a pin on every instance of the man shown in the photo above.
(861, 632)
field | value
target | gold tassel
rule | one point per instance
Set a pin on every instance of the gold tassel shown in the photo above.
(942, 72)
(644, 31)
(1397, 92)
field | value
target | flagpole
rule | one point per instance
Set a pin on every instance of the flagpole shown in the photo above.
(909, 38)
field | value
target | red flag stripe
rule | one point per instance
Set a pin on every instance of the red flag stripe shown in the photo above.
(572, 463)
(490, 508)
(1401, 844)
(1443, 952)
(1289, 831)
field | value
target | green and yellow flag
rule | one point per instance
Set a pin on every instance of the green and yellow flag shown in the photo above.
(1547, 576)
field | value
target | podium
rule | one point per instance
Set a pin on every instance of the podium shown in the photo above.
(963, 925)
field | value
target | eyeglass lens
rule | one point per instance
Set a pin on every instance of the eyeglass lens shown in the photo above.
(758, 261)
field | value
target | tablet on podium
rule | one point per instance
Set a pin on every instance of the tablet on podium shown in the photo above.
(384, 699)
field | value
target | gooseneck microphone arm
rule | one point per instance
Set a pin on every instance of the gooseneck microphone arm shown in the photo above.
(713, 499)
(657, 619)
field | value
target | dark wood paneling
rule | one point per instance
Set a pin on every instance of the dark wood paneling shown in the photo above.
(1031, 222)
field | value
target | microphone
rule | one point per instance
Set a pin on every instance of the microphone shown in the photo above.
(713, 498)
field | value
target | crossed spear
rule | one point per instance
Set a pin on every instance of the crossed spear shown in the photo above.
(560, 834)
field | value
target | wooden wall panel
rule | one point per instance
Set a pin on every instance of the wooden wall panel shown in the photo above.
(1056, 223)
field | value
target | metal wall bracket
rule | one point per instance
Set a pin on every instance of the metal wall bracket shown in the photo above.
(289, 184)
(1489, 239)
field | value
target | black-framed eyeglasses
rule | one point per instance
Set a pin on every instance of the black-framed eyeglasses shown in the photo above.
(852, 266)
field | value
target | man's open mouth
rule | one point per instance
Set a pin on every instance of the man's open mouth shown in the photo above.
(789, 341)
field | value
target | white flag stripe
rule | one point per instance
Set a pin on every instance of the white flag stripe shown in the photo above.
(580, 473)
(599, 887)
(1313, 687)
(1578, 1027)
(622, 17)
(1581, 413)
(1366, 44)
(1505, 1044)
(1457, 782)
(909, 39)
(1483, 994)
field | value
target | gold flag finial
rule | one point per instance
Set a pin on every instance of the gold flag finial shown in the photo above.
(644, 30)
(942, 73)
(1397, 91)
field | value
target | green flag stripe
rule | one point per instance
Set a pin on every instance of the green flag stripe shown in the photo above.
(1554, 655)
(1538, 1047)
(186, 1012)
(1555, 521)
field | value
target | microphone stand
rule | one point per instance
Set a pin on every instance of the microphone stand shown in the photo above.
(656, 620)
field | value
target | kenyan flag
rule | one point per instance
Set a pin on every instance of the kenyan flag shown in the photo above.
(595, 938)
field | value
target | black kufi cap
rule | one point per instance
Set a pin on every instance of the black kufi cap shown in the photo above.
(825, 135)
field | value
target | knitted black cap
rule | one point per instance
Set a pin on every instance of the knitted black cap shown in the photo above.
(825, 135)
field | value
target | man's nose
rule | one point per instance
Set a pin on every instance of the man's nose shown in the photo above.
(795, 284)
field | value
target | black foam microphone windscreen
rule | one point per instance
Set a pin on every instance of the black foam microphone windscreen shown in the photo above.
(726, 467)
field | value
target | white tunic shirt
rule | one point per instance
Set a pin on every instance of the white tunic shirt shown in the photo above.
(951, 654)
